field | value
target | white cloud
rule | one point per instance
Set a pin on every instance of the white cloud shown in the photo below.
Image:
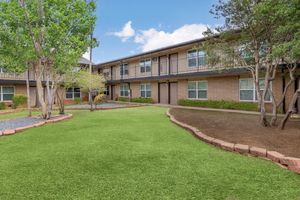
(152, 38)
(126, 33)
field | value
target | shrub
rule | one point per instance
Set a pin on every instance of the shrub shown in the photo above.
(125, 99)
(233, 105)
(77, 100)
(2, 106)
(142, 100)
(19, 100)
(136, 100)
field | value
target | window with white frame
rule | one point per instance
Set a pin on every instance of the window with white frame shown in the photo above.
(145, 65)
(145, 89)
(248, 91)
(124, 69)
(6, 93)
(197, 89)
(196, 58)
(73, 93)
(124, 90)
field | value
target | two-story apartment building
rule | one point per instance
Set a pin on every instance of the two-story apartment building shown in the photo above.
(12, 84)
(181, 72)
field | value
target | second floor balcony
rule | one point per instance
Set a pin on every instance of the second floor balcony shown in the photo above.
(158, 67)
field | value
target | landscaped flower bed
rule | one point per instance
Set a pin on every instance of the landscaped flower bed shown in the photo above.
(292, 163)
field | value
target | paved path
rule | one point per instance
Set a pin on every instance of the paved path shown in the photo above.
(18, 122)
(99, 106)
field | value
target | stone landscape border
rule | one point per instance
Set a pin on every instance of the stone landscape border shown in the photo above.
(20, 129)
(291, 163)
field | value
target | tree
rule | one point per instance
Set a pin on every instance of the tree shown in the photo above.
(286, 16)
(94, 84)
(15, 50)
(56, 32)
(248, 39)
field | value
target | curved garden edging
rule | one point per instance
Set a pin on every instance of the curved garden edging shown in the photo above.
(291, 163)
(20, 129)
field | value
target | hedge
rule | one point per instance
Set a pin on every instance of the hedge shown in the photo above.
(136, 100)
(233, 105)
(142, 100)
(124, 99)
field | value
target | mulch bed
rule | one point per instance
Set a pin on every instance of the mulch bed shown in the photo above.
(23, 121)
(243, 129)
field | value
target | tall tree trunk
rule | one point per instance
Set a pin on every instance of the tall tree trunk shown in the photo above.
(28, 94)
(263, 115)
(40, 89)
(49, 97)
(91, 101)
(60, 101)
(290, 110)
(274, 110)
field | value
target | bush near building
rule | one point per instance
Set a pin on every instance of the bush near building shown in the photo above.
(136, 100)
(2, 106)
(233, 105)
(19, 100)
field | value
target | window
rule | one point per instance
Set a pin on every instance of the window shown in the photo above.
(197, 89)
(106, 90)
(248, 91)
(124, 90)
(145, 65)
(72, 93)
(6, 93)
(123, 69)
(196, 58)
(146, 90)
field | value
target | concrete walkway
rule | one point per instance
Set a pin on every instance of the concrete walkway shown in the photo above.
(18, 122)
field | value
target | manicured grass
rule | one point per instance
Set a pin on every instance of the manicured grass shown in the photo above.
(134, 153)
(23, 113)
(14, 115)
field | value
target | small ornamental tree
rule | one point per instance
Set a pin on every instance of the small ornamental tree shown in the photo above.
(93, 84)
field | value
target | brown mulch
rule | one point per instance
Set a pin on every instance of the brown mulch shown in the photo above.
(243, 129)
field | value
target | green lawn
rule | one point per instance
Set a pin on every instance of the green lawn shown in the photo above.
(23, 113)
(134, 153)
(13, 115)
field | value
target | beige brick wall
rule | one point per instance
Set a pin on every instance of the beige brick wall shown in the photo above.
(223, 88)
(182, 89)
(135, 90)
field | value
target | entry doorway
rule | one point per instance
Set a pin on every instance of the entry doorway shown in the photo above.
(112, 94)
(163, 65)
(173, 93)
(174, 63)
(163, 93)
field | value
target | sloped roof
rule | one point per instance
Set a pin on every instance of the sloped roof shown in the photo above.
(84, 61)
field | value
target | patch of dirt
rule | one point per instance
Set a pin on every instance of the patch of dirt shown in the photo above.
(243, 129)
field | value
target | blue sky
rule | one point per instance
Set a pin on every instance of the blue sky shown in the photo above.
(134, 26)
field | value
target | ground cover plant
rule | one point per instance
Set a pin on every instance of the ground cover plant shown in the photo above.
(131, 153)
